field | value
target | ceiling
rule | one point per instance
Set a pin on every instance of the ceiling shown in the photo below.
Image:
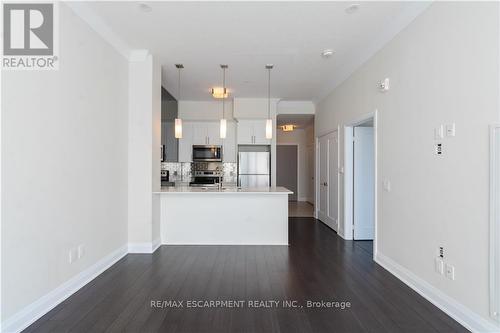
(249, 35)
(299, 120)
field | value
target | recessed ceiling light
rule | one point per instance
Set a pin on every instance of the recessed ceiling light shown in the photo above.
(352, 8)
(145, 7)
(327, 53)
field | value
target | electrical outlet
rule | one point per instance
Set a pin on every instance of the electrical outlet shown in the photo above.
(450, 272)
(441, 252)
(439, 265)
(81, 251)
(438, 148)
(72, 255)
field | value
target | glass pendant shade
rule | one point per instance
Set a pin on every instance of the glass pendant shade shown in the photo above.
(178, 128)
(269, 129)
(223, 128)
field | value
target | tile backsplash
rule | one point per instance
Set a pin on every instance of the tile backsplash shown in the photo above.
(181, 172)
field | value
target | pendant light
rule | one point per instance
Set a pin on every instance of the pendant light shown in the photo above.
(269, 122)
(223, 122)
(178, 121)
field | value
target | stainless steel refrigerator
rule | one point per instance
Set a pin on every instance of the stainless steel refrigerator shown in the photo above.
(254, 167)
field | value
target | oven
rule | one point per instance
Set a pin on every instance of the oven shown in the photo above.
(207, 153)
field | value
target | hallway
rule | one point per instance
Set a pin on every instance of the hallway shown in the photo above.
(300, 209)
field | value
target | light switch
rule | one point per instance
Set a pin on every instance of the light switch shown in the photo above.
(450, 272)
(450, 129)
(439, 132)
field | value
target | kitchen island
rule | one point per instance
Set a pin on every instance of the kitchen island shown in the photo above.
(227, 216)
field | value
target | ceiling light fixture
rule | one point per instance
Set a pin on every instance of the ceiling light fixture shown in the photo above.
(327, 53)
(178, 121)
(220, 92)
(223, 122)
(269, 121)
(145, 7)
(352, 8)
(288, 128)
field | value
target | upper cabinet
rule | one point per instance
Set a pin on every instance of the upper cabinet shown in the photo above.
(186, 142)
(207, 133)
(252, 132)
(229, 143)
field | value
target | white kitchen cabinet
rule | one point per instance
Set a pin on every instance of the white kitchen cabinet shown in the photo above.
(252, 132)
(186, 143)
(207, 133)
(213, 133)
(229, 143)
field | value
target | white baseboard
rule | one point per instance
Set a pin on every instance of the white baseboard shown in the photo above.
(156, 245)
(29, 314)
(466, 317)
(147, 247)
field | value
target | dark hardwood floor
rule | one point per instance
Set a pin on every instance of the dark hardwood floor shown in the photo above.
(318, 265)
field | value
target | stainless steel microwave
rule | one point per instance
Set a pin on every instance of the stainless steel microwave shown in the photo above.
(207, 153)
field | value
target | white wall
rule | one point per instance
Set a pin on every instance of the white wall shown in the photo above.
(64, 165)
(205, 110)
(300, 138)
(144, 114)
(296, 107)
(443, 68)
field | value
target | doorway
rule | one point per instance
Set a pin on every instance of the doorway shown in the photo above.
(363, 182)
(360, 204)
(287, 168)
(328, 180)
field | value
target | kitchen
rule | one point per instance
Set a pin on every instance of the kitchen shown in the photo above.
(219, 159)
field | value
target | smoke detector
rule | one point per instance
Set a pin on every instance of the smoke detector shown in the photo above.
(327, 53)
(352, 8)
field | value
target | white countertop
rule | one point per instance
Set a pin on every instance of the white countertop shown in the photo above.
(224, 190)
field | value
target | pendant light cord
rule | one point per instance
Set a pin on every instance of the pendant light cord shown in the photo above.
(179, 83)
(223, 91)
(269, 93)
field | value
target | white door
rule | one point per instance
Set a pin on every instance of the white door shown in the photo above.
(364, 183)
(328, 180)
(333, 180)
(322, 178)
(310, 173)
